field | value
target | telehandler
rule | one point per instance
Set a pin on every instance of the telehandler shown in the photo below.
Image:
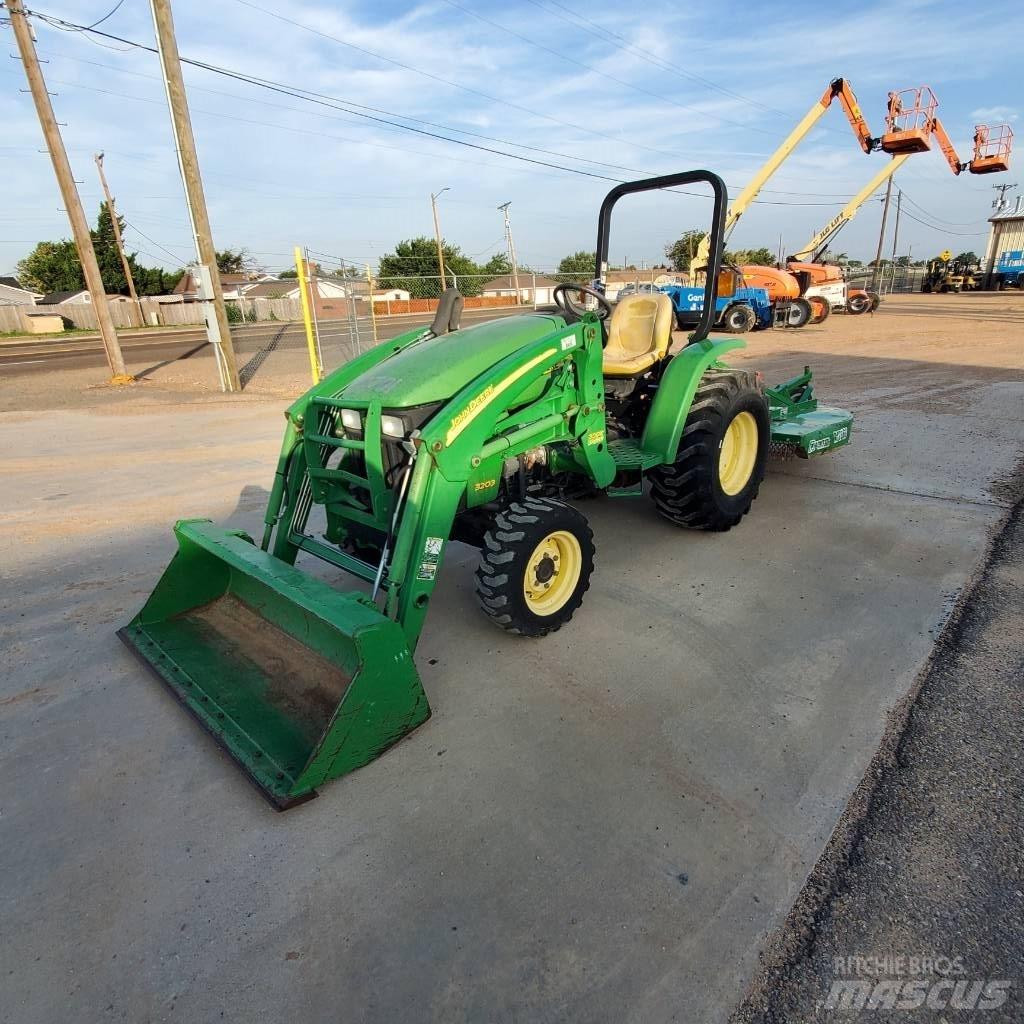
(481, 435)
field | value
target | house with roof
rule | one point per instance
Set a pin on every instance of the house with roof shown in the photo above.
(533, 288)
(80, 297)
(188, 286)
(12, 294)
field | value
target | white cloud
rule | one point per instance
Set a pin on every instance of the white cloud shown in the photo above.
(994, 115)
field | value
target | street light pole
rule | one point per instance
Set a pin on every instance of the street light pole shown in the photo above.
(437, 235)
(511, 250)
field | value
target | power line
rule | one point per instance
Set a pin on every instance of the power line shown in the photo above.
(177, 259)
(327, 102)
(926, 213)
(445, 81)
(109, 14)
(607, 35)
(941, 230)
(611, 78)
(445, 127)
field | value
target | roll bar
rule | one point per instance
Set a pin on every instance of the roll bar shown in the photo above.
(721, 196)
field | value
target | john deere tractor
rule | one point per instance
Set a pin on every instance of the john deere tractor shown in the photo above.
(486, 435)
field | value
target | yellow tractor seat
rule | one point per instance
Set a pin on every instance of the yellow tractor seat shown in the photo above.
(639, 334)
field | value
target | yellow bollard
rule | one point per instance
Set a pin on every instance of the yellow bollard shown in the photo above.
(316, 370)
(373, 312)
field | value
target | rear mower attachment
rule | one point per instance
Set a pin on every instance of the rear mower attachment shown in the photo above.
(802, 427)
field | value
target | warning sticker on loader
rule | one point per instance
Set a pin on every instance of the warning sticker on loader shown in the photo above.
(431, 556)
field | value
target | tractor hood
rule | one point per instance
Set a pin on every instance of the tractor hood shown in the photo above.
(435, 369)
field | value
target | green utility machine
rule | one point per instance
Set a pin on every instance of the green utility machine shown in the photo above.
(482, 435)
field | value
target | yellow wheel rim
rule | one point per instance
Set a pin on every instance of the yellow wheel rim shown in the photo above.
(552, 572)
(738, 454)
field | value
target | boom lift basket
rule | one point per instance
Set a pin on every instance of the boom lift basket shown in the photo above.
(991, 149)
(298, 681)
(909, 121)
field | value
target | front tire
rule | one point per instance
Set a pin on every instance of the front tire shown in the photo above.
(722, 454)
(535, 566)
(799, 313)
(738, 319)
(858, 304)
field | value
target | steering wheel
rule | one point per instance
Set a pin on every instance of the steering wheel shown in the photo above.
(560, 294)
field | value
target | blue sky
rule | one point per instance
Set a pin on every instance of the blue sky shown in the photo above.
(653, 89)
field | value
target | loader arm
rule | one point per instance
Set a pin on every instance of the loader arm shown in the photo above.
(839, 89)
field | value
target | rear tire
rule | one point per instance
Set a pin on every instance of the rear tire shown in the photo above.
(857, 304)
(821, 307)
(738, 319)
(535, 566)
(712, 483)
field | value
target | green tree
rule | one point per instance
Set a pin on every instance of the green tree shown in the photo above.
(55, 267)
(578, 264)
(762, 257)
(683, 249)
(970, 259)
(52, 267)
(233, 261)
(288, 275)
(498, 264)
(413, 267)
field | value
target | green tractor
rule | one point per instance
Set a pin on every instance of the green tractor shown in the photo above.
(482, 435)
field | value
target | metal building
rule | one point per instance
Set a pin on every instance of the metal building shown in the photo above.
(1004, 257)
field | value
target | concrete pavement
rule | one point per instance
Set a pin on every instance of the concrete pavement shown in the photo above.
(602, 825)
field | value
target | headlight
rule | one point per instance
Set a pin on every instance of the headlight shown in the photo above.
(392, 426)
(351, 419)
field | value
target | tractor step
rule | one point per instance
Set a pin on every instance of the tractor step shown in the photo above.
(299, 682)
(627, 454)
(629, 457)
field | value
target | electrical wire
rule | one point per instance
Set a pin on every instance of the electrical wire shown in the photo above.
(926, 213)
(941, 230)
(445, 81)
(611, 78)
(445, 127)
(607, 35)
(177, 259)
(310, 98)
(105, 17)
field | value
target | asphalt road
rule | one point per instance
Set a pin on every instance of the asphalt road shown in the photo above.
(149, 348)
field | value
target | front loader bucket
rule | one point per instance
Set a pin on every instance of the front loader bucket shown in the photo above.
(299, 682)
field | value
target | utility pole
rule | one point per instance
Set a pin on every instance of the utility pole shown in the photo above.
(66, 182)
(188, 163)
(881, 237)
(437, 235)
(98, 157)
(511, 250)
(895, 237)
(998, 204)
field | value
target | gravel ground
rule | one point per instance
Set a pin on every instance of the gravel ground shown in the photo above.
(927, 859)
